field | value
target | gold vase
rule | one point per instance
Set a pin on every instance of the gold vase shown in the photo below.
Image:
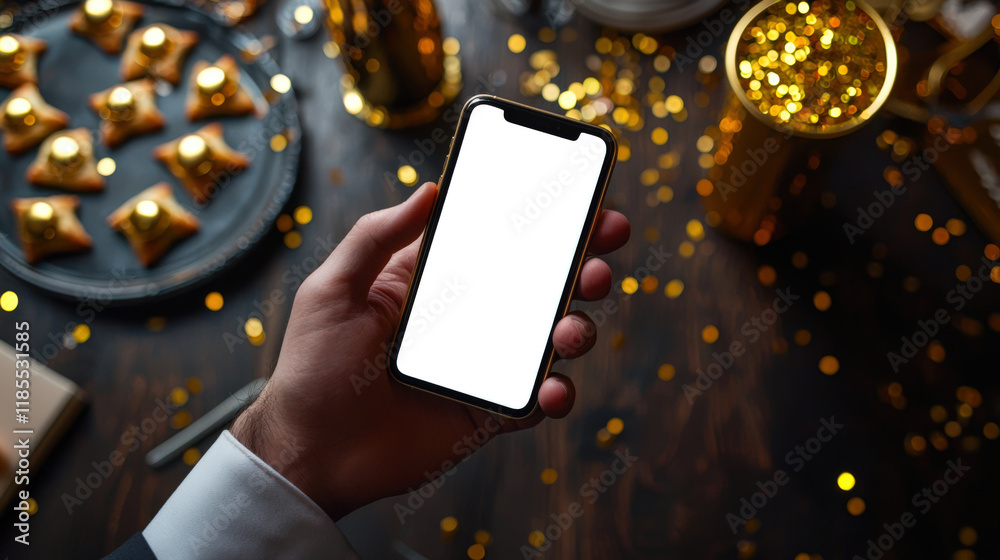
(399, 71)
(799, 73)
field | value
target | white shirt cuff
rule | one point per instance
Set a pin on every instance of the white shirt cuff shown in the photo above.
(233, 505)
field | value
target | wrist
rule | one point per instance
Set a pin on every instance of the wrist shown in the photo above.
(261, 430)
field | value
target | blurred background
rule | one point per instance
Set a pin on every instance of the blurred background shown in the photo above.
(765, 355)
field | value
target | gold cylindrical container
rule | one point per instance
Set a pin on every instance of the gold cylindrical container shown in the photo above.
(398, 72)
(799, 72)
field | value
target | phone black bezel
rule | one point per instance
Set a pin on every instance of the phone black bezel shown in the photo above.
(544, 122)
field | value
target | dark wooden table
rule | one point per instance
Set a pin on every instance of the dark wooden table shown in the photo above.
(696, 459)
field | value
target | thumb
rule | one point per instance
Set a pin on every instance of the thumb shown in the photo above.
(364, 252)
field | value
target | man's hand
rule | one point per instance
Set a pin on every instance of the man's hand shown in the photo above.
(346, 447)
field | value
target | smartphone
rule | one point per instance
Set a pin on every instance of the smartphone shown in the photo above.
(520, 194)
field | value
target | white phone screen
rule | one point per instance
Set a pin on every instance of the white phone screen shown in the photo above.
(504, 246)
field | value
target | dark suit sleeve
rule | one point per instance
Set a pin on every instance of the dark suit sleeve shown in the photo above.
(133, 549)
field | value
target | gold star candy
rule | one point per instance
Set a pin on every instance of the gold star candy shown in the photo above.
(127, 110)
(106, 22)
(19, 59)
(48, 225)
(28, 119)
(201, 161)
(216, 90)
(66, 161)
(157, 51)
(153, 222)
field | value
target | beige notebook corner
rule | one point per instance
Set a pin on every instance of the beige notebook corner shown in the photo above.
(55, 402)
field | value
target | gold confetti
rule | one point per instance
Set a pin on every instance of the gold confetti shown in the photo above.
(567, 100)
(630, 285)
(303, 215)
(253, 327)
(707, 64)
(280, 83)
(802, 337)
(673, 289)
(991, 430)
(967, 536)
(476, 552)
(516, 43)
(407, 175)
(923, 222)
(666, 372)
(674, 104)
(303, 14)
(546, 34)
(331, 49)
(649, 284)
(855, 506)
(615, 426)
(279, 143)
(935, 351)
(704, 187)
(293, 239)
(940, 236)
(483, 537)
(845, 481)
(829, 365)
(180, 420)
(710, 334)
(32, 506)
(800, 260)
(178, 396)
(8, 301)
(449, 526)
(695, 230)
(194, 385)
(549, 476)
(649, 177)
(191, 456)
(536, 539)
(284, 223)
(686, 249)
(81, 333)
(604, 438)
(767, 275)
(106, 167)
(664, 194)
(955, 227)
(213, 301)
(822, 300)
(450, 46)
(659, 136)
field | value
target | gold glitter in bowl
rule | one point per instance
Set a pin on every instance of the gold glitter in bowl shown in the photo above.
(816, 73)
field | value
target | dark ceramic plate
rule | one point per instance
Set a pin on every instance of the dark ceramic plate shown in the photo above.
(238, 216)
